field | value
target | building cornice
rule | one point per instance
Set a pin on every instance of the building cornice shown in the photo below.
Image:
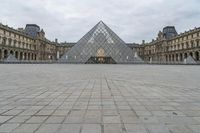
(5, 27)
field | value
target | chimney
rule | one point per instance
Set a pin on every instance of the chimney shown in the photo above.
(56, 40)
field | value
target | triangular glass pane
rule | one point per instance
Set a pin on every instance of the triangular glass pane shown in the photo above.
(100, 38)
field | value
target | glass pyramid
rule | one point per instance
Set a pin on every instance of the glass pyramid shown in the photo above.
(100, 41)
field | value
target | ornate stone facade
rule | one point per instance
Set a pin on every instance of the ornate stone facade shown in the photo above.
(25, 46)
(172, 49)
(30, 44)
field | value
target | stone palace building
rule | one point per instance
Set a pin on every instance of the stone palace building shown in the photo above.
(30, 44)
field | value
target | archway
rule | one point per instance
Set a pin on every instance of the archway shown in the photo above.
(32, 56)
(5, 54)
(29, 56)
(16, 54)
(21, 56)
(181, 57)
(11, 52)
(25, 56)
(191, 54)
(35, 57)
(197, 55)
(185, 55)
(176, 57)
(172, 57)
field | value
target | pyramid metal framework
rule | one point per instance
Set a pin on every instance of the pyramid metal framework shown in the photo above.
(100, 38)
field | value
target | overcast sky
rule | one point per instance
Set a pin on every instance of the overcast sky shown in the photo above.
(132, 20)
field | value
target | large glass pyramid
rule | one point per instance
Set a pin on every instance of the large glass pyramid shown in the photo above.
(100, 41)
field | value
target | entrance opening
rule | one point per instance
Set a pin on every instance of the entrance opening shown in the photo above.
(5, 54)
(185, 56)
(11, 52)
(191, 54)
(197, 55)
(101, 60)
(21, 56)
(16, 54)
(181, 57)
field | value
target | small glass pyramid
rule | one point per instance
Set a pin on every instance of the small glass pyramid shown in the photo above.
(100, 42)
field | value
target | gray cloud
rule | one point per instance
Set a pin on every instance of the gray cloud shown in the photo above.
(132, 20)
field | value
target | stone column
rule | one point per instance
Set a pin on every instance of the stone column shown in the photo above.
(23, 56)
(31, 56)
(168, 58)
(14, 53)
(171, 58)
(58, 55)
(178, 58)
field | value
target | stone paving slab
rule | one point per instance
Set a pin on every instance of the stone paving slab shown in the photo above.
(60, 98)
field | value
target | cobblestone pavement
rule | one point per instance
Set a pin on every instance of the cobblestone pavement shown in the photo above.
(99, 99)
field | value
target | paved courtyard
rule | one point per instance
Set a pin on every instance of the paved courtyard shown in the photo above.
(99, 99)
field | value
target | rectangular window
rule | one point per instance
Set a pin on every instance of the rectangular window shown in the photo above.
(187, 45)
(10, 41)
(192, 44)
(182, 45)
(4, 41)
